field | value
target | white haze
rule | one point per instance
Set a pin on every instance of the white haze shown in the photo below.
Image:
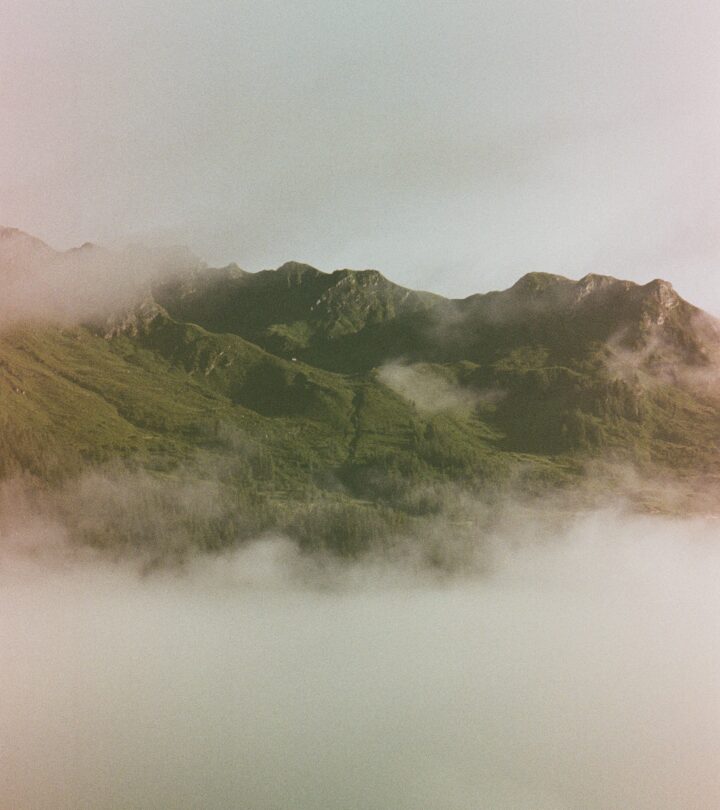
(580, 672)
(453, 146)
(84, 283)
(430, 391)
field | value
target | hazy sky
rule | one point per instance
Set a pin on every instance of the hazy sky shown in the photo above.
(451, 145)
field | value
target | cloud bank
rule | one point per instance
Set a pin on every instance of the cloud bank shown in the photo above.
(83, 283)
(579, 672)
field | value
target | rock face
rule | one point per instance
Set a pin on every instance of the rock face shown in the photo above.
(133, 322)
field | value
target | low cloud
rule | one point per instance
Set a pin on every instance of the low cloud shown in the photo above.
(661, 359)
(569, 662)
(432, 389)
(84, 283)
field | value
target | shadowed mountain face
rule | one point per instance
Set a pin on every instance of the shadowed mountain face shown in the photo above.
(331, 319)
(292, 385)
(354, 320)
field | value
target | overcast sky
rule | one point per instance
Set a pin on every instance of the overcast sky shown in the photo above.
(452, 145)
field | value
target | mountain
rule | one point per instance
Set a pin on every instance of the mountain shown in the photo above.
(19, 250)
(340, 407)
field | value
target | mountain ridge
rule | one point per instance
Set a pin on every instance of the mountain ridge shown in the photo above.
(348, 306)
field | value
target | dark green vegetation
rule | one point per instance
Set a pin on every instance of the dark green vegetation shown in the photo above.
(342, 409)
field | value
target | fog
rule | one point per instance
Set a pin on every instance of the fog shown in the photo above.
(579, 670)
(430, 391)
(84, 283)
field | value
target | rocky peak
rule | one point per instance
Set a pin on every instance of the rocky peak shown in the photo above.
(362, 278)
(662, 292)
(537, 282)
(595, 281)
(18, 248)
(294, 273)
(133, 321)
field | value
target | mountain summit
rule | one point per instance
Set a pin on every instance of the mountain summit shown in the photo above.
(18, 250)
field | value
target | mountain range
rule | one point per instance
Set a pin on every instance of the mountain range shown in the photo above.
(338, 407)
